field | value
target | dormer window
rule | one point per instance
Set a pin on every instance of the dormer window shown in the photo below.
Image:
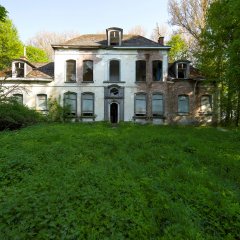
(182, 70)
(114, 36)
(19, 69)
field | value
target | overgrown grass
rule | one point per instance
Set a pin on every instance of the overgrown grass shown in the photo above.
(95, 181)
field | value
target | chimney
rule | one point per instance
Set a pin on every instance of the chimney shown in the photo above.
(161, 40)
(24, 57)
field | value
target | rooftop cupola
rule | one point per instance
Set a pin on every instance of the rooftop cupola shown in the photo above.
(114, 36)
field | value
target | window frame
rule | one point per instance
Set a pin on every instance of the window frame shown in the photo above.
(136, 72)
(119, 70)
(185, 72)
(188, 104)
(18, 68)
(84, 61)
(71, 114)
(93, 104)
(135, 104)
(37, 102)
(153, 75)
(66, 70)
(161, 113)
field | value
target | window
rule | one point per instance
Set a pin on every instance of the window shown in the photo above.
(88, 104)
(19, 68)
(70, 71)
(157, 104)
(114, 71)
(157, 70)
(114, 92)
(114, 38)
(87, 71)
(182, 70)
(183, 104)
(42, 102)
(206, 104)
(70, 101)
(140, 104)
(18, 98)
(140, 70)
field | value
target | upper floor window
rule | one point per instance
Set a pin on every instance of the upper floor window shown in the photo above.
(183, 104)
(42, 102)
(182, 70)
(140, 104)
(19, 68)
(157, 104)
(206, 103)
(70, 71)
(140, 70)
(87, 71)
(87, 104)
(157, 70)
(114, 71)
(70, 101)
(18, 98)
(114, 38)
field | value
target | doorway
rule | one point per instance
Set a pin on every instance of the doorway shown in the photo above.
(114, 112)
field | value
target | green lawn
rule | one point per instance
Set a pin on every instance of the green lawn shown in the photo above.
(95, 181)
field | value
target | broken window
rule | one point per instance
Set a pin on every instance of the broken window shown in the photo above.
(70, 101)
(70, 71)
(87, 104)
(87, 70)
(157, 104)
(19, 68)
(42, 102)
(157, 70)
(114, 38)
(114, 71)
(206, 103)
(183, 104)
(18, 98)
(140, 104)
(140, 70)
(182, 70)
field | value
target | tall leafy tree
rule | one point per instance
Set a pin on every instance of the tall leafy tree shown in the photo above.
(10, 44)
(35, 54)
(3, 13)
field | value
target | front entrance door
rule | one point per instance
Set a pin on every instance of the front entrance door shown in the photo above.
(114, 112)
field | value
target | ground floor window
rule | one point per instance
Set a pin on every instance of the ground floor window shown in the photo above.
(183, 104)
(206, 104)
(42, 102)
(157, 104)
(87, 104)
(140, 104)
(18, 98)
(70, 102)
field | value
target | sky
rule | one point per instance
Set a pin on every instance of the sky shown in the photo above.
(83, 17)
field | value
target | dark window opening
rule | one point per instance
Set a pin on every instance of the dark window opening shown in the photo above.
(140, 105)
(87, 104)
(157, 70)
(157, 105)
(140, 70)
(114, 71)
(71, 71)
(19, 69)
(114, 38)
(70, 102)
(182, 70)
(87, 70)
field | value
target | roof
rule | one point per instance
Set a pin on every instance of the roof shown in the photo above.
(100, 41)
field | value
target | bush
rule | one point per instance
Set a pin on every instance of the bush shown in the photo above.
(14, 116)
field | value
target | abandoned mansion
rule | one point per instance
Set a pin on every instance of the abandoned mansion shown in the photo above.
(115, 77)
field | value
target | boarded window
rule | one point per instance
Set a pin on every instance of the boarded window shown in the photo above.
(19, 67)
(206, 103)
(42, 102)
(70, 101)
(114, 38)
(140, 70)
(157, 104)
(87, 70)
(87, 104)
(182, 70)
(114, 71)
(183, 104)
(140, 105)
(157, 70)
(18, 98)
(71, 71)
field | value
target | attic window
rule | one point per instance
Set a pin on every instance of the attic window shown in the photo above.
(114, 38)
(182, 70)
(19, 68)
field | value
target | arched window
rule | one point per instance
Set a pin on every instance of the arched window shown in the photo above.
(114, 71)
(87, 70)
(70, 101)
(183, 104)
(87, 104)
(157, 70)
(206, 103)
(140, 104)
(70, 71)
(140, 70)
(157, 104)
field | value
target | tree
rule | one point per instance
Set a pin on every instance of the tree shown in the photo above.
(44, 40)
(179, 48)
(159, 31)
(35, 54)
(10, 45)
(138, 30)
(3, 13)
